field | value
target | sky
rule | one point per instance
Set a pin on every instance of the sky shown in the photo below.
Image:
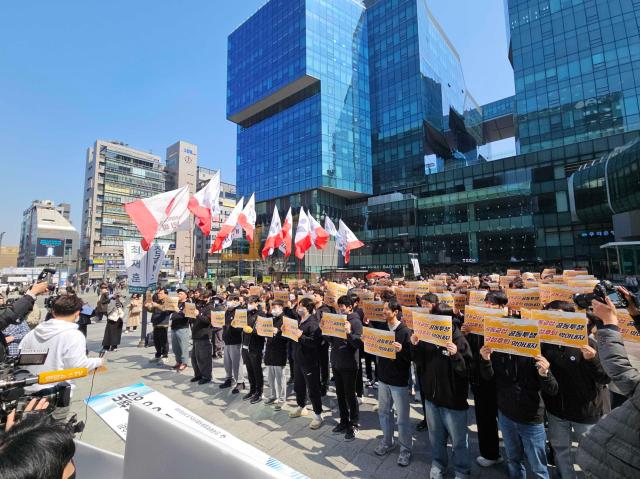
(151, 72)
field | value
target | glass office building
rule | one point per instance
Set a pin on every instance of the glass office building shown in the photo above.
(430, 190)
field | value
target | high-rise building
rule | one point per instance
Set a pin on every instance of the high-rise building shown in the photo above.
(47, 237)
(115, 174)
(181, 170)
(429, 189)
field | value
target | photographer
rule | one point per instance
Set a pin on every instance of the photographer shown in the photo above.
(36, 446)
(66, 345)
(612, 447)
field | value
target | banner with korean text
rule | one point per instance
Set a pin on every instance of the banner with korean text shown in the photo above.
(560, 328)
(333, 325)
(379, 342)
(432, 328)
(512, 336)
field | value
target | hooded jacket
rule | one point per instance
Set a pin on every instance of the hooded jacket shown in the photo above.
(252, 342)
(275, 353)
(66, 345)
(345, 353)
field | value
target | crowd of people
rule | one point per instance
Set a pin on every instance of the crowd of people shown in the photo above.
(540, 405)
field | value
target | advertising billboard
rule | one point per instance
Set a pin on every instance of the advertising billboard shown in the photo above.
(50, 248)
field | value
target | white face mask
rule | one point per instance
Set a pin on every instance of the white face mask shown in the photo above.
(276, 312)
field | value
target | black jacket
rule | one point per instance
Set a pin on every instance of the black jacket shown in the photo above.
(158, 316)
(581, 384)
(252, 342)
(445, 378)
(20, 308)
(306, 352)
(201, 325)
(275, 353)
(324, 308)
(102, 305)
(178, 319)
(345, 353)
(231, 335)
(395, 372)
(518, 386)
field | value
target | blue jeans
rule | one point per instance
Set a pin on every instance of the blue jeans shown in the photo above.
(522, 440)
(561, 434)
(180, 344)
(444, 423)
(388, 397)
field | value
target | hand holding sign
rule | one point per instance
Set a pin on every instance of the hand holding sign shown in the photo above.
(451, 348)
(588, 353)
(485, 352)
(397, 346)
(543, 366)
(347, 327)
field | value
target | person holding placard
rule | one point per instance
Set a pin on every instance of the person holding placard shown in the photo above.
(275, 359)
(580, 402)
(252, 346)
(321, 308)
(427, 301)
(180, 332)
(393, 389)
(160, 321)
(484, 391)
(445, 380)
(519, 382)
(232, 338)
(201, 353)
(345, 356)
(306, 360)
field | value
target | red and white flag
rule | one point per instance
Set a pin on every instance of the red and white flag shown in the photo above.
(227, 228)
(287, 227)
(319, 236)
(347, 241)
(330, 227)
(160, 215)
(235, 234)
(303, 234)
(274, 238)
(247, 218)
(206, 203)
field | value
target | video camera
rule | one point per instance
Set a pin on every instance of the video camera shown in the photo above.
(601, 291)
(14, 379)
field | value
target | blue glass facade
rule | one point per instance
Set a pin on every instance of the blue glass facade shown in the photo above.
(576, 65)
(299, 91)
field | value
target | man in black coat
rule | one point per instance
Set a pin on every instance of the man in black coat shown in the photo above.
(252, 346)
(201, 353)
(321, 308)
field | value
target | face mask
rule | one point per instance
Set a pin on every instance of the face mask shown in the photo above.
(301, 312)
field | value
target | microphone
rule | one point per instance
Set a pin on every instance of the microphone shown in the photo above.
(47, 377)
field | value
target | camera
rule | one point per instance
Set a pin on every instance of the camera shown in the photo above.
(602, 290)
(45, 275)
(14, 379)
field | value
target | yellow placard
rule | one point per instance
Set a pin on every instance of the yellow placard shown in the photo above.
(281, 296)
(560, 328)
(460, 301)
(290, 328)
(333, 325)
(628, 330)
(407, 315)
(406, 296)
(494, 286)
(555, 292)
(255, 291)
(334, 292)
(476, 297)
(446, 298)
(436, 286)
(513, 272)
(217, 319)
(264, 326)
(520, 299)
(505, 281)
(379, 342)
(171, 304)
(582, 283)
(373, 310)
(512, 336)
(548, 272)
(432, 328)
(189, 310)
(420, 287)
(474, 318)
(363, 294)
(239, 318)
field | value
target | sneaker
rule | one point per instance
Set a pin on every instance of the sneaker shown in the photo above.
(277, 406)
(404, 459)
(383, 449)
(339, 428)
(182, 367)
(350, 435)
(195, 379)
(154, 360)
(484, 462)
(226, 384)
(422, 426)
(238, 388)
(176, 366)
(269, 401)
(163, 360)
(299, 412)
(316, 423)
(436, 473)
(256, 399)
(204, 381)
(248, 396)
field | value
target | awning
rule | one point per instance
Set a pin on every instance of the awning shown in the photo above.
(620, 244)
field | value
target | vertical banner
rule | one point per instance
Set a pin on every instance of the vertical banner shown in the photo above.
(475, 316)
(333, 325)
(135, 266)
(239, 319)
(520, 299)
(432, 328)
(290, 329)
(379, 342)
(155, 257)
(416, 267)
(560, 328)
(264, 326)
(373, 310)
(512, 336)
